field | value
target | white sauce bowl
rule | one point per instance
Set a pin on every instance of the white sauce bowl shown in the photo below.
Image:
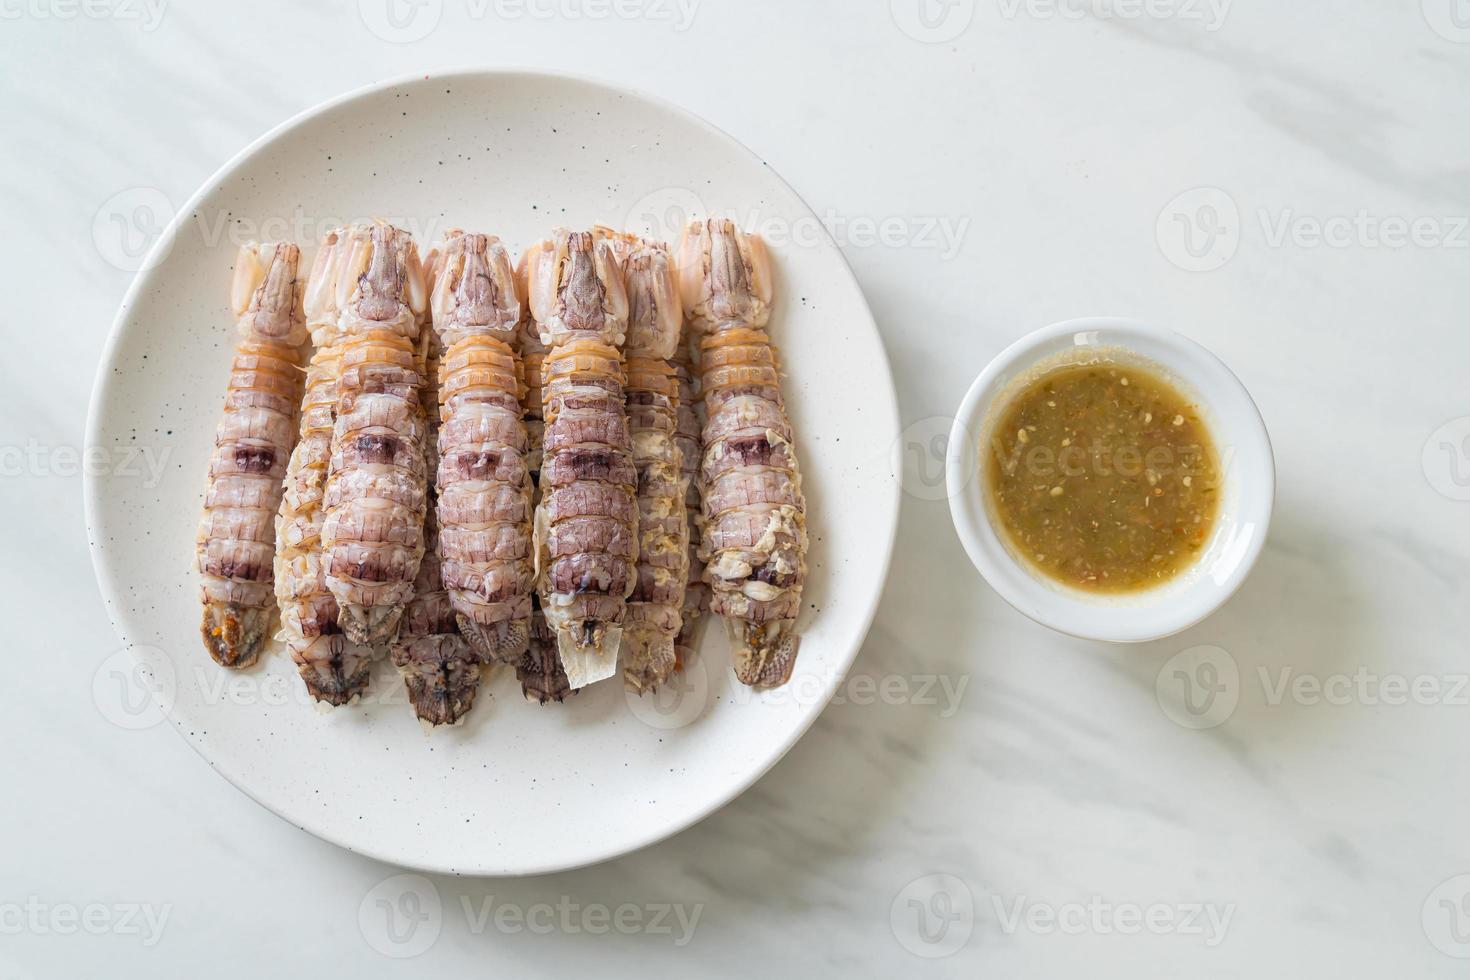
(1247, 467)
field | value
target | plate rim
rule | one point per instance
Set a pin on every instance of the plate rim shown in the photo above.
(102, 384)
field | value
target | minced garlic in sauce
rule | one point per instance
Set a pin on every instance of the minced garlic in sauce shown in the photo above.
(1104, 477)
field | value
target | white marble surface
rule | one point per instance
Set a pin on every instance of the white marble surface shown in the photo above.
(1318, 834)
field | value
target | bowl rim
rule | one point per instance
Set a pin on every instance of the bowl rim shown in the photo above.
(1044, 603)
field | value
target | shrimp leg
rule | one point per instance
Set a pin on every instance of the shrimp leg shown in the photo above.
(235, 544)
(754, 536)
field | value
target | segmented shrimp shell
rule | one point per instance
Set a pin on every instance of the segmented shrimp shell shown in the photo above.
(586, 523)
(484, 480)
(539, 671)
(373, 536)
(333, 668)
(655, 608)
(696, 590)
(235, 546)
(533, 355)
(441, 670)
(754, 531)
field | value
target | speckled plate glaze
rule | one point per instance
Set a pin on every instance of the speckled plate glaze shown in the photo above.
(517, 789)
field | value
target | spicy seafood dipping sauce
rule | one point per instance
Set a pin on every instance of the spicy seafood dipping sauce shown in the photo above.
(1103, 477)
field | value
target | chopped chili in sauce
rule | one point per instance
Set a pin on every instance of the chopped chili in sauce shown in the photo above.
(1104, 477)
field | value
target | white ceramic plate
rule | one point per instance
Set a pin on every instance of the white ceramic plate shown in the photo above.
(519, 789)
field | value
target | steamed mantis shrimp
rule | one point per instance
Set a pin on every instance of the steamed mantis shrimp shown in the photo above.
(696, 590)
(654, 612)
(334, 668)
(235, 545)
(754, 534)
(440, 670)
(539, 671)
(373, 535)
(586, 523)
(483, 484)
